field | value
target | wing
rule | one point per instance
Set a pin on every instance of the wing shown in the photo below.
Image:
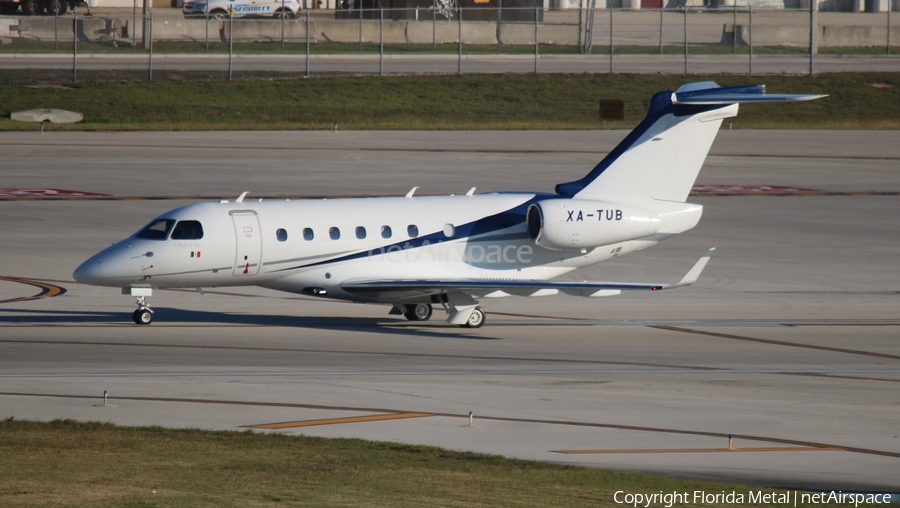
(425, 287)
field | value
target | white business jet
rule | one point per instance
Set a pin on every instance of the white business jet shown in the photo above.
(417, 252)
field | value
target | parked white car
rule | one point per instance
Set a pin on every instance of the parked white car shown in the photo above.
(220, 9)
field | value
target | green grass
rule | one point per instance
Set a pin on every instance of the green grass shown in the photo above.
(67, 463)
(203, 100)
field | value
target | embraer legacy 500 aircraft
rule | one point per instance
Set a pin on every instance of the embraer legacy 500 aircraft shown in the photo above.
(416, 252)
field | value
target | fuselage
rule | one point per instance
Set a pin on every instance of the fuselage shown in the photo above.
(313, 246)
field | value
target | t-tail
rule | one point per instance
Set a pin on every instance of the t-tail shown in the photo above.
(661, 157)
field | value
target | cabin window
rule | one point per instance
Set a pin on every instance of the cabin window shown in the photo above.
(360, 232)
(308, 234)
(334, 233)
(156, 230)
(386, 232)
(281, 235)
(412, 230)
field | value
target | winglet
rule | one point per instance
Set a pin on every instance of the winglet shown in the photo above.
(695, 272)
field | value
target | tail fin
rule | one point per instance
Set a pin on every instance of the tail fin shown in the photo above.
(661, 157)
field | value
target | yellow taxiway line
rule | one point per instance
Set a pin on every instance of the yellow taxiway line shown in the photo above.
(47, 290)
(336, 421)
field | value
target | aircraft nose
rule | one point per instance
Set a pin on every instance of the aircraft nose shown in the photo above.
(88, 272)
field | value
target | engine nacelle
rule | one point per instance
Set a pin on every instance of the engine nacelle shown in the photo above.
(569, 224)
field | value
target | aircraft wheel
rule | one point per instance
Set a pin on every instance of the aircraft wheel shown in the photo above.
(418, 312)
(142, 317)
(476, 319)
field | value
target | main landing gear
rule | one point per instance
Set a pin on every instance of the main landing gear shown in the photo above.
(143, 315)
(418, 312)
(423, 312)
(476, 319)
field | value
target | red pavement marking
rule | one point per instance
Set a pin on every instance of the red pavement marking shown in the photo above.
(748, 189)
(45, 193)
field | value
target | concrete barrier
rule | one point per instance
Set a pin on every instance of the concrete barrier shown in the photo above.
(169, 29)
(97, 29)
(828, 36)
(855, 36)
(257, 30)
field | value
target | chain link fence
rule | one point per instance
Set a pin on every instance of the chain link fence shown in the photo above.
(450, 39)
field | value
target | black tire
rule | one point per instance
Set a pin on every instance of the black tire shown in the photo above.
(418, 312)
(218, 14)
(286, 14)
(8, 8)
(32, 7)
(55, 7)
(476, 319)
(142, 316)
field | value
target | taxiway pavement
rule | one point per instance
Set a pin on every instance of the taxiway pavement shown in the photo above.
(789, 341)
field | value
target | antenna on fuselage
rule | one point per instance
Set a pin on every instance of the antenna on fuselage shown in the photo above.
(471, 192)
(411, 192)
(240, 198)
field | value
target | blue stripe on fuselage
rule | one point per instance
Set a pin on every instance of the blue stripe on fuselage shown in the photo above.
(505, 219)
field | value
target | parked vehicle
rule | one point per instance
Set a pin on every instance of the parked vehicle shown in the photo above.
(34, 7)
(221, 9)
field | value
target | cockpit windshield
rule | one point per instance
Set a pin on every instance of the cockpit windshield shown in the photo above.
(156, 230)
(187, 230)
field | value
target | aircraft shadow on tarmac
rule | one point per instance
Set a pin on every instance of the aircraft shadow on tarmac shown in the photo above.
(166, 315)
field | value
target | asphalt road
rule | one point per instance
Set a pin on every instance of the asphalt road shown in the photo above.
(450, 64)
(788, 341)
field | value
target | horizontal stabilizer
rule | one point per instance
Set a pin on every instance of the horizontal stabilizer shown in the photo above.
(427, 287)
(708, 92)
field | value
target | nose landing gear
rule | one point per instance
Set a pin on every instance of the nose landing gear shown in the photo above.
(143, 315)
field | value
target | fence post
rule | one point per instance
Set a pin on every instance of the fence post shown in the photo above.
(307, 41)
(890, 6)
(230, 39)
(150, 61)
(500, 27)
(381, 44)
(734, 29)
(283, 15)
(74, 47)
(536, 40)
(144, 28)
(459, 56)
(812, 33)
(685, 39)
(610, 37)
(56, 31)
(750, 36)
(133, 27)
(580, 9)
(661, 10)
(433, 29)
(360, 24)
(207, 28)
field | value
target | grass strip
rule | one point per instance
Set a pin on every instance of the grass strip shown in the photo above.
(69, 463)
(123, 100)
